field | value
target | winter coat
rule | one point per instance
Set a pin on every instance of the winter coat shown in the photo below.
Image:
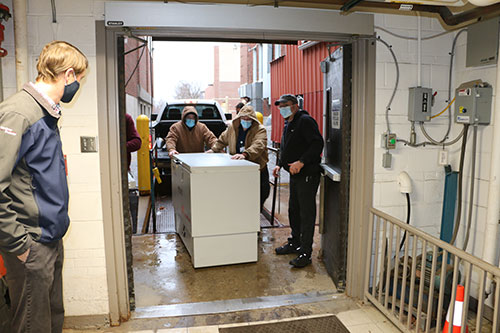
(186, 140)
(133, 139)
(255, 141)
(301, 141)
(33, 187)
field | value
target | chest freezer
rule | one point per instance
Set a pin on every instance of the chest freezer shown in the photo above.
(216, 203)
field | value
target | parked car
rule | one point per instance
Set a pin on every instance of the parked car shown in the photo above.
(209, 113)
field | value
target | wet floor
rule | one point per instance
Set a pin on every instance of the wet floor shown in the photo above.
(164, 274)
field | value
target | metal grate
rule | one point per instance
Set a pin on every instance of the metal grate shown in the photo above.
(329, 324)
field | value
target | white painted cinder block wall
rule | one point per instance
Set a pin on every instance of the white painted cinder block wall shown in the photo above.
(422, 163)
(85, 286)
(85, 282)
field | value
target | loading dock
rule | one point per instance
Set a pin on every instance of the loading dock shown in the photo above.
(273, 28)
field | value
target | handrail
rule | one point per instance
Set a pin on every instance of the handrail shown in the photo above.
(448, 247)
(275, 150)
(415, 292)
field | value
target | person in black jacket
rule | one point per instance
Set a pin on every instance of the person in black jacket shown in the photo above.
(301, 148)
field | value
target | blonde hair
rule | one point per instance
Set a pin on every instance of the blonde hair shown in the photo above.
(57, 57)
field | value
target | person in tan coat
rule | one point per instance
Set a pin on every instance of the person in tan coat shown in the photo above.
(189, 135)
(247, 139)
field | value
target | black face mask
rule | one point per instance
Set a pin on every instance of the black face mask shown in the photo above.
(70, 91)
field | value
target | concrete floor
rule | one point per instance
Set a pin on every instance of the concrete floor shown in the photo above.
(164, 274)
(358, 318)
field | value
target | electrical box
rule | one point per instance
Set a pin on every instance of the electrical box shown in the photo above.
(473, 103)
(420, 104)
(482, 43)
(389, 140)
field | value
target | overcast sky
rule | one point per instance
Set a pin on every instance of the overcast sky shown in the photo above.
(181, 61)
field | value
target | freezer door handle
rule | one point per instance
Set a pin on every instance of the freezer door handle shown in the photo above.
(331, 173)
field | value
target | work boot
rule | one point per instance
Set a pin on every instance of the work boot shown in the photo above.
(288, 248)
(302, 260)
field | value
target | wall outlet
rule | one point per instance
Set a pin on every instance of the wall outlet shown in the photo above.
(443, 157)
(88, 144)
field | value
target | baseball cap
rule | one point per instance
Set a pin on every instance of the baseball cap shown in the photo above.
(286, 98)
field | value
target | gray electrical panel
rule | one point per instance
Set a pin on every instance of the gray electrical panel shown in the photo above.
(420, 104)
(482, 43)
(473, 103)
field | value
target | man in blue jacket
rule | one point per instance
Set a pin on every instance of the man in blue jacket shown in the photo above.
(34, 191)
(300, 155)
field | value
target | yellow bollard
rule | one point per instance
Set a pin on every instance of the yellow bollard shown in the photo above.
(260, 117)
(144, 172)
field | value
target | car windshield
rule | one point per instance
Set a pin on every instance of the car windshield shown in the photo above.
(205, 112)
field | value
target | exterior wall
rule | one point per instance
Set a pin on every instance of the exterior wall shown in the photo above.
(142, 76)
(298, 72)
(226, 77)
(246, 63)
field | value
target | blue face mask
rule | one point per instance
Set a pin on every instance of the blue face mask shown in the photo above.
(246, 124)
(286, 111)
(190, 123)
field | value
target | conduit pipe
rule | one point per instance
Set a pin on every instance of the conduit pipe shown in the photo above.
(419, 50)
(491, 241)
(483, 3)
(21, 41)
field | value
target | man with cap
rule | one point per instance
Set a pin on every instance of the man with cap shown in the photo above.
(301, 148)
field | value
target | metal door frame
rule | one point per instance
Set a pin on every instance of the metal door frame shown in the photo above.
(363, 124)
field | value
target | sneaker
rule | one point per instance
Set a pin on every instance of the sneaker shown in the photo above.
(287, 249)
(301, 261)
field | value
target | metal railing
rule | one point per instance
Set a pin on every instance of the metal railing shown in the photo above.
(416, 287)
(276, 190)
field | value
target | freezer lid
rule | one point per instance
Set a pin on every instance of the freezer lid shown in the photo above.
(201, 162)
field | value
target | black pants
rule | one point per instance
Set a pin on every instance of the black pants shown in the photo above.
(35, 289)
(265, 188)
(4, 308)
(302, 210)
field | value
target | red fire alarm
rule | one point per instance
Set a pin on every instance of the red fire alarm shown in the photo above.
(4, 16)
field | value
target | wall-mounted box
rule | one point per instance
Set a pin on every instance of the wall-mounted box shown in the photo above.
(473, 103)
(419, 104)
(482, 43)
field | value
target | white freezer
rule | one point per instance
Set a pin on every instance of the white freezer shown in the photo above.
(216, 202)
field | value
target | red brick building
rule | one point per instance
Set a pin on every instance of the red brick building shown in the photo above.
(226, 77)
(138, 87)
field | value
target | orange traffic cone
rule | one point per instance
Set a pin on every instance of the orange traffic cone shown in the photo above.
(457, 315)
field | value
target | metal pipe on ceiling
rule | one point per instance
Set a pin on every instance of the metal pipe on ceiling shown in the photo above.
(449, 18)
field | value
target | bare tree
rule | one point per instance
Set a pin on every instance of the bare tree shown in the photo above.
(187, 90)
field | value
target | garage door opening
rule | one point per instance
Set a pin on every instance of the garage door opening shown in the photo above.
(164, 274)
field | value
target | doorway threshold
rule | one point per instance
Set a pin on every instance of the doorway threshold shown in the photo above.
(234, 305)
